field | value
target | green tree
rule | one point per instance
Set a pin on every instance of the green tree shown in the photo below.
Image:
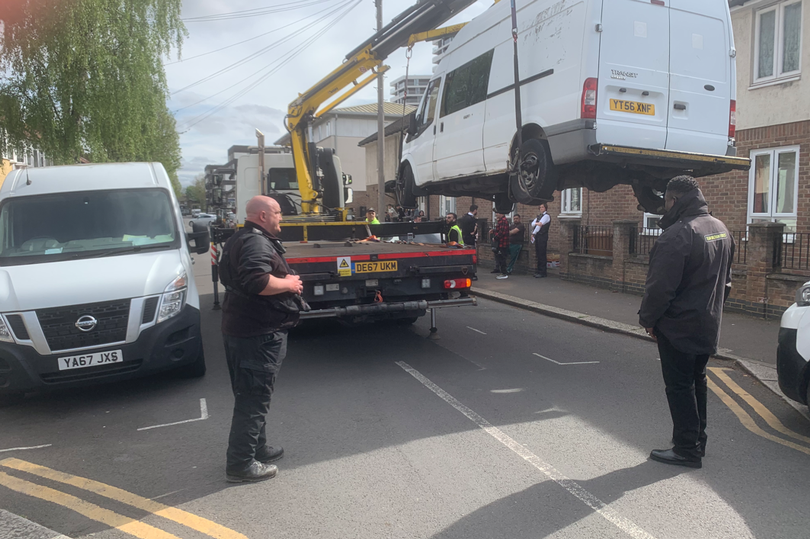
(195, 193)
(85, 78)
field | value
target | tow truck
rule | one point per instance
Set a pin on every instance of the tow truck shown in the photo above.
(352, 270)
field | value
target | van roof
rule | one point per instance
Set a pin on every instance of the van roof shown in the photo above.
(91, 177)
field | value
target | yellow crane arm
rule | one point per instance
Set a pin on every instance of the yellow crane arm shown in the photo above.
(433, 35)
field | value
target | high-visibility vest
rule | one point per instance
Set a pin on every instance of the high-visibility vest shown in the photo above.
(458, 231)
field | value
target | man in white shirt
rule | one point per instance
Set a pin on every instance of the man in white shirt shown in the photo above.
(540, 227)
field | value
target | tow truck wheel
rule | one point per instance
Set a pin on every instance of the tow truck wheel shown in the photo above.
(404, 188)
(534, 179)
(195, 369)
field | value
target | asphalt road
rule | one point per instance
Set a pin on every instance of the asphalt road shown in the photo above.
(511, 425)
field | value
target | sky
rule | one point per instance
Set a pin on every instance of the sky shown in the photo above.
(219, 97)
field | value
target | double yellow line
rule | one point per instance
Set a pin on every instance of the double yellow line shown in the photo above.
(746, 419)
(100, 514)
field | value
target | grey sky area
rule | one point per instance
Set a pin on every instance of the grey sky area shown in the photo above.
(274, 52)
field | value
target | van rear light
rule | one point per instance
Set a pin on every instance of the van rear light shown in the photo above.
(458, 283)
(732, 119)
(589, 98)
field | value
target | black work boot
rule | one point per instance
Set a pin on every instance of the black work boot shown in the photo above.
(669, 456)
(268, 454)
(255, 472)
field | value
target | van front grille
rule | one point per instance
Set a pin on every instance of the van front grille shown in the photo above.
(62, 333)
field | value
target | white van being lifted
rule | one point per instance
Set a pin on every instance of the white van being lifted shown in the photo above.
(96, 282)
(611, 92)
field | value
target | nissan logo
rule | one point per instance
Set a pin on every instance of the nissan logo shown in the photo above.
(86, 323)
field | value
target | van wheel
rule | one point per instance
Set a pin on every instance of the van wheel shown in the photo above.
(534, 179)
(649, 200)
(195, 369)
(503, 204)
(404, 188)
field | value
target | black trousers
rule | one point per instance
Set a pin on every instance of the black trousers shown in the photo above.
(253, 363)
(685, 381)
(501, 256)
(540, 250)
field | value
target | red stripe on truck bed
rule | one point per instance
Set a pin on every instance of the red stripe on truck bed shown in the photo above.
(386, 256)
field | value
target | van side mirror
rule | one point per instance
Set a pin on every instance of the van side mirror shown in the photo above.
(200, 239)
(413, 125)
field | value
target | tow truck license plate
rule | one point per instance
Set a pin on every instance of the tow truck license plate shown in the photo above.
(90, 360)
(632, 106)
(375, 267)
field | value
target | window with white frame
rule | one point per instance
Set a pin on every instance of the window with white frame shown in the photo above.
(650, 226)
(448, 204)
(571, 202)
(777, 42)
(773, 184)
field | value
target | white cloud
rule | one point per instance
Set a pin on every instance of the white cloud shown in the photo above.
(265, 105)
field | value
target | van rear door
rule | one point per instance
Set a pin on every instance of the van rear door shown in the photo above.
(700, 77)
(633, 90)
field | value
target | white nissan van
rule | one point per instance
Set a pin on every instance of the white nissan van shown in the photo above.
(96, 282)
(611, 92)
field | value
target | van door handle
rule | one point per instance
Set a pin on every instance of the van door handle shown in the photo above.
(467, 116)
(434, 129)
(441, 127)
(679, 106)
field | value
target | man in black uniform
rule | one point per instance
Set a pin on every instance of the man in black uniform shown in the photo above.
(258, 309)
(540, 227)
(469, 226)
(688, 280)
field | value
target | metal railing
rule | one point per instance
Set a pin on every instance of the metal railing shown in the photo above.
(593, 240)
(641, 242)
(795, 251)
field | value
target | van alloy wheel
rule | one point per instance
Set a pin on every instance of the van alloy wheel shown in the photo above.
(649, 200)
(533, 179)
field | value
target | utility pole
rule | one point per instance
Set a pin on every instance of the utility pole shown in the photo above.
(380, 123)
(262, 183)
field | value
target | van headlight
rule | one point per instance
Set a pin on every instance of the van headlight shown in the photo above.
(803, 296)
(5, 331)
(174, 298)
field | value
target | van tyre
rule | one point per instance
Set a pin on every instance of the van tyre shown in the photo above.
(534, 178)
(404, 189)
(503, 204)
(195, 369)
(648, 200)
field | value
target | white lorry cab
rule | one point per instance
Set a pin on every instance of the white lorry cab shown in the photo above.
(96, 282)
(611, 92)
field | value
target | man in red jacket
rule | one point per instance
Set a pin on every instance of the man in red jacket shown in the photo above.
(502, 243)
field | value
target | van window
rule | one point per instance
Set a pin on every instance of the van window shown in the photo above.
(48, 228)
(467, 85)
(427, 111)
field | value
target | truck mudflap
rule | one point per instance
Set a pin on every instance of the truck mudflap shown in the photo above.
(706, 163)
(419, 306)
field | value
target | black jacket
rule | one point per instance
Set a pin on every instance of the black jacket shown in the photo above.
(467, 225)
(249, 256)
(689, 277)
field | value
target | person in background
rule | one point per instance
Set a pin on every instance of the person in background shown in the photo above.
(371, 217)
(469, 226)
(454, 234)
(517, 233)
(501, 244)
(540, 228)
(688, 281)
(390, 213)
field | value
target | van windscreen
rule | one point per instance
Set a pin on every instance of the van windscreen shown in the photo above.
(64, 226)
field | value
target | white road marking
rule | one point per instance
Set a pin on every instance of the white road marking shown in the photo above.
(571, 363)
(203, 417)
(476, 330)
(24, 448)
(624, 524)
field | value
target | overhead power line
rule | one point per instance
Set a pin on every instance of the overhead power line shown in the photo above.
(290, 56)
(255, 12)
(263, 50)
(242, 42)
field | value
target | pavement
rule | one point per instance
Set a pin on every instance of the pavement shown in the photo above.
(749, 341)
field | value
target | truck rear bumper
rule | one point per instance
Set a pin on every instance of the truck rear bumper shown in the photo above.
(386, 308)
